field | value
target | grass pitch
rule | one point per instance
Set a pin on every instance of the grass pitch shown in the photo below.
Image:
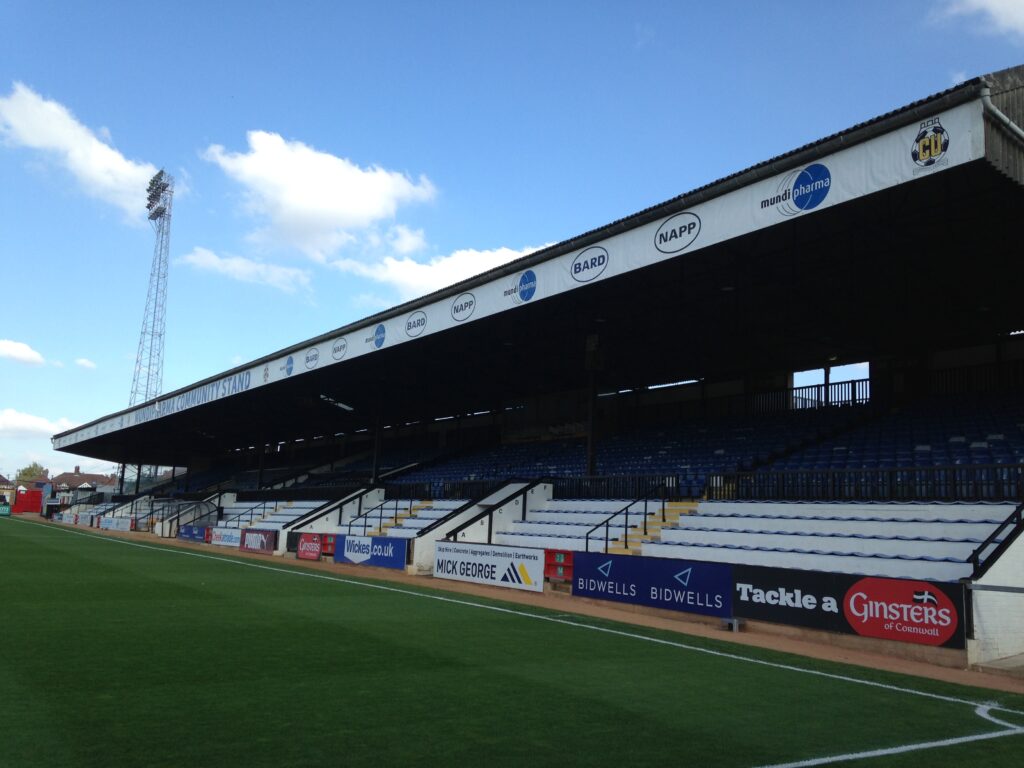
(119, 654)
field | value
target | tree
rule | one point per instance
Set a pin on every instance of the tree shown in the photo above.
(33, 471)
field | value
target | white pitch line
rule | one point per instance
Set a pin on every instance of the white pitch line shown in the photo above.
(981, 711)
(552, 619)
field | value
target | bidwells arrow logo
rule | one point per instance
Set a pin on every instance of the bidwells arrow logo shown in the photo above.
(683, 577)
(605, 569)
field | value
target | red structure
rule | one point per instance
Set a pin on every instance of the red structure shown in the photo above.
(27, 501)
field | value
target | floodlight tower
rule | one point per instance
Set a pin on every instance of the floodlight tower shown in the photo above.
(147, 382)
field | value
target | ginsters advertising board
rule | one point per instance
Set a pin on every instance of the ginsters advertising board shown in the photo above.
(924, 612)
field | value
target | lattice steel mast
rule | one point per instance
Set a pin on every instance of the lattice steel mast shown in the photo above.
(147, 382)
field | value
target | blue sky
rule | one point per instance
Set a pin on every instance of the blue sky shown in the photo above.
(333, 158)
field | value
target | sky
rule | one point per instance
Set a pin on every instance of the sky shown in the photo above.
(333, 159)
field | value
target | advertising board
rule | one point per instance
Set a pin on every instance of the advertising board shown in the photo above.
(310, 546)
(111, 523)
(192, 532)
(226, 537)
(677, 585)
(256, 540)
(499, 566)
(911, 611)
(379, 551)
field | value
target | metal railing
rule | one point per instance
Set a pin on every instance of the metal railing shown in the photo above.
(992, 482)
(981, 559)
(387, 511)
(441, 489)
(488, 513)
(250, 515)
(614, 486)
(626, 511)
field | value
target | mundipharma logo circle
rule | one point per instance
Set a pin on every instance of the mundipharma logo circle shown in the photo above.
(801, 190)
(527, 285)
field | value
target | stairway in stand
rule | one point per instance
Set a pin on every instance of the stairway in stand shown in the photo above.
(635, 537)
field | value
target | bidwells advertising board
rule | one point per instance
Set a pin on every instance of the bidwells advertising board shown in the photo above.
(379, 551)
(922, 612)
(512, 567)
(677, 585)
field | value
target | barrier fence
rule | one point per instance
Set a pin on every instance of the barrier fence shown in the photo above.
(997, 482)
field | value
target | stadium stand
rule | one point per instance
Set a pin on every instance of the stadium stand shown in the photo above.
(931, 541)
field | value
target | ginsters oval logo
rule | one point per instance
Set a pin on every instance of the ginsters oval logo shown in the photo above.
(463, 307)
(897, 609)
(677, 233)
(312, 357)
(339, 348)
(589, 264)
(415, 324)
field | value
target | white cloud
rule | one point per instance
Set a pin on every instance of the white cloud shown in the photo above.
(413, 278)
(28, 120)
(17, 350)
(287, 279)
(56, 363)
(84, 362)
(16, 424)
(405, 241)
(312, 200)
(1005, 16)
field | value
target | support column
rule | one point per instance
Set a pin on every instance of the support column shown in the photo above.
(376, 449)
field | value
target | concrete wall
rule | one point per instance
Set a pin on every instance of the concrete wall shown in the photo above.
(423, 546)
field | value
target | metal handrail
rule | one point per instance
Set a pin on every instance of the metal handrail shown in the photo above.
(489, 512)
(324, 509)
(1016, 522)
(379, 509)
(606, 524)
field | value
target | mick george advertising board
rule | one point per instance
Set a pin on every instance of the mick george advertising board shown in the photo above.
(499, 566)
(678, 585)
(922, 612)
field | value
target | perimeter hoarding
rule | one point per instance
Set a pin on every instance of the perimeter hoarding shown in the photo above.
(226, 537)
(498, 566)
(678, 585)
(255, 540)
(910, 611)
(310, 546)
(378, 551)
